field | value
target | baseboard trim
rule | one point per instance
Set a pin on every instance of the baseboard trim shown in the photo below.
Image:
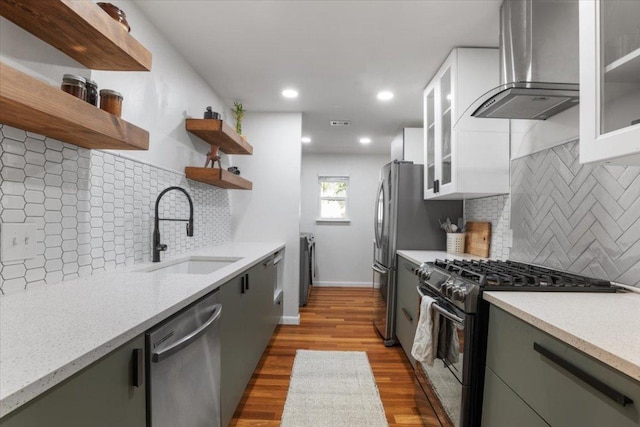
(290, 320)
(345, 284)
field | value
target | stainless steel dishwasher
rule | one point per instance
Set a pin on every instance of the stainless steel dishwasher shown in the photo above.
(183, 362)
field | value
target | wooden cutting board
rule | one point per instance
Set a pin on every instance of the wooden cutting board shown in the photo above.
(478, 239)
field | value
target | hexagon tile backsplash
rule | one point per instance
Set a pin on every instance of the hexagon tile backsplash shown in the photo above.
(94, 210)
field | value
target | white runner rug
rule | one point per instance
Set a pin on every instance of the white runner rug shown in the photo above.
(332, 389)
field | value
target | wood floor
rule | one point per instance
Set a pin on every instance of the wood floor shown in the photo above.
(334, 319)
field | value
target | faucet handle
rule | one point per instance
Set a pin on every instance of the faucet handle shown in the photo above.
(161, 247)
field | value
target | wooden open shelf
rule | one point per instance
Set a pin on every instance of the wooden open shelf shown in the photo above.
(30, 104)
(218, 177)
(80, 29)
(217, 132)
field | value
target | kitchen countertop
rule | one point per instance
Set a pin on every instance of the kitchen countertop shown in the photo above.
(52, 331)
(604, 326)
(418, 257)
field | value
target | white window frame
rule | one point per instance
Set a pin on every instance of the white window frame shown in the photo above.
(333, 178)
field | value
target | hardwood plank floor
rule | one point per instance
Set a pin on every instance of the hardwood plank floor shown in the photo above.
(334, 319)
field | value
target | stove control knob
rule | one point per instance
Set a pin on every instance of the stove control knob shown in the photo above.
(459, 294)
(447, 288)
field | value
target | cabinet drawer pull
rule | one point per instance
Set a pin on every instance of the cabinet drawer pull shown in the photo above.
(407, 315)
(137, 358)
(242, 284)
(246, 282)
(603, 388)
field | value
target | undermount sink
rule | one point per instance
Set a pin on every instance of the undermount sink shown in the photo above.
(192, 265)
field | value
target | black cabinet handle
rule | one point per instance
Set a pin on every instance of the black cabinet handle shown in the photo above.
(242, 284)
(407, 315)
(436, 186)
(246, 281)
(603, 388)
(137, 359)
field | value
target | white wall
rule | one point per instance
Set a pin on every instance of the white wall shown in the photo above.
(344, 252)
(271, 211)
(532, 136)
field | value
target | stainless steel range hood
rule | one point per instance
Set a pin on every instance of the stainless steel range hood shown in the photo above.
(538, 61)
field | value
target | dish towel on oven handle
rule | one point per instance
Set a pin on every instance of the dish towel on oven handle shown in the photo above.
(448, 342)
(425, 342)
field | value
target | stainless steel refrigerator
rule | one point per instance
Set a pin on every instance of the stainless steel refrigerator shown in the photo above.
(403, 221)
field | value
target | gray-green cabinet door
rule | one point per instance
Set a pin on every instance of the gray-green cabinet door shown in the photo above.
(101, 395)
(234, 329)
(407, 305)
(501, 407)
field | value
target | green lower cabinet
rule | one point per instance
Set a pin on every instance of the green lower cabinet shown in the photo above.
(101, 395)
(503, 408)
(554, 379)
(246, 326)
(407, 305)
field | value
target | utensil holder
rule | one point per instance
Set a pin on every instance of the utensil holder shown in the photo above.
(455, 243)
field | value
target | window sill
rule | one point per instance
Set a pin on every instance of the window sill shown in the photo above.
(333, 221)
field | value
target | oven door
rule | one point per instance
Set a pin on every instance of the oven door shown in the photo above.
(445, 384)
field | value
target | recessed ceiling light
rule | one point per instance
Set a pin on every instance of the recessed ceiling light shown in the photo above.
(365, 140)
(290, 93)
(385, 95)
(306, 140)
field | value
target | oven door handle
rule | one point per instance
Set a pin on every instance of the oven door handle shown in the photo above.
(442, 311)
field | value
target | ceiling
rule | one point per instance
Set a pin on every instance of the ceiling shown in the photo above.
(337, 54)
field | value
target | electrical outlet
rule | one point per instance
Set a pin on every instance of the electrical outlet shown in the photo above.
(17, 241)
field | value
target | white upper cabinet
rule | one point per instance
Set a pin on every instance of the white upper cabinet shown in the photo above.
(465, 157)
(610, 81)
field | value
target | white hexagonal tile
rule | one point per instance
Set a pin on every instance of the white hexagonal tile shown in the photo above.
(14, 133)
(36, 136)
(32, 183)
(54, 144)
(33, 144)
(52, 241)
(53, 180)
(32, 196)
(54, 277)
(52, 204)
(34, 171)
(53, 157)
(52, 254)
(54, 263)
(69, 222)
(34, 158)
(14, 147)
(10, 215)
(13, 271)
(13, 202)
(36, 262)
(71, 256)
(13, 285)
(53, 228)
(34, 209)
(84, 260)
(70, 270)
(13, 160)
(12, 174)
(35, 274)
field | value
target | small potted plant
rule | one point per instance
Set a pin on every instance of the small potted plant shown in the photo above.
(238, 113)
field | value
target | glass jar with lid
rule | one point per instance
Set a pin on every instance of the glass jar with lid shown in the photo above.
(111, 101)
(74, 85)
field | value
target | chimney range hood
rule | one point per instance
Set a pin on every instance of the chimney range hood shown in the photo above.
(538, 61)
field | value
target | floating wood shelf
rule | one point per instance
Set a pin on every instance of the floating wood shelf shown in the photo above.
(217, 132)
(80, 29)
(218, 177)
(30, 104)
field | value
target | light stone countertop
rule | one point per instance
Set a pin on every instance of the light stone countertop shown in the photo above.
(418, 257)
(52, 331)
(604, 326)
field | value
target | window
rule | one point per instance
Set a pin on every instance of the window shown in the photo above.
(334, 192)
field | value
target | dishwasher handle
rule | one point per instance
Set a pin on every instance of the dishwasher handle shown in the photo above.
(158, 356)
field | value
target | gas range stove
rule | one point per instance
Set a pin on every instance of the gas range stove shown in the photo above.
(461, 282)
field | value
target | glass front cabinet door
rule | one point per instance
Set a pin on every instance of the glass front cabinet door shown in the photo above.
(610, 81)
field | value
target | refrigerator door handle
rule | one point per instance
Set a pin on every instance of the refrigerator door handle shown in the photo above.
(377, 213)
(378, 269)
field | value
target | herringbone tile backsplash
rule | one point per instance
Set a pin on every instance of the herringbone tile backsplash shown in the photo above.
(581, 218)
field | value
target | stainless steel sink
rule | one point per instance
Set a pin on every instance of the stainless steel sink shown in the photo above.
(192, 265)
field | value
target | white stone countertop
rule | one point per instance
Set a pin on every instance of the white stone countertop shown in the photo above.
(604, 326)
(52, 331)
(419, 257)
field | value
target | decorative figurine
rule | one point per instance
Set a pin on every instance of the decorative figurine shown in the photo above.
(213, 157)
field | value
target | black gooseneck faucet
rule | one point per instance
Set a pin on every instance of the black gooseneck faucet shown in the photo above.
(157, 246)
